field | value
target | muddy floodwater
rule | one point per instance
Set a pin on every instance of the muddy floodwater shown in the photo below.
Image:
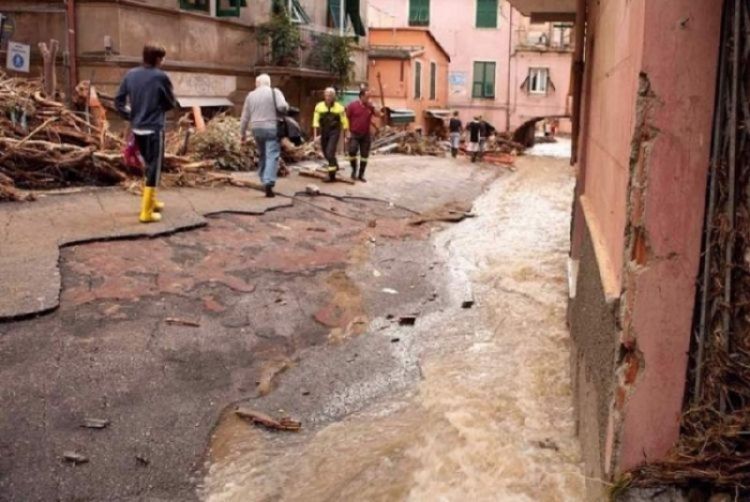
(489, 416)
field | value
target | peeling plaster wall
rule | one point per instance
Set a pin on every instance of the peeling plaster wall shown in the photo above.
(648, 104)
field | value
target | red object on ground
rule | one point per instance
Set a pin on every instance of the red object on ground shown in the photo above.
(132, 156)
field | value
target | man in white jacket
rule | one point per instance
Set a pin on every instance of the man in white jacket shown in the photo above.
(260, 113)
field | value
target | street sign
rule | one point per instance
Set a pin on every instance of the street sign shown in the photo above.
(18, 57)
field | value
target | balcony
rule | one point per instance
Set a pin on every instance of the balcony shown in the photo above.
(302, 60)
(544, 11)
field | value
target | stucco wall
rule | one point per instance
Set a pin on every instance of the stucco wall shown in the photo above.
(644, 153)
(526, 105)
(400, 92)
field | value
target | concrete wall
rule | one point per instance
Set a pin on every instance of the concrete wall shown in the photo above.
(644, 153)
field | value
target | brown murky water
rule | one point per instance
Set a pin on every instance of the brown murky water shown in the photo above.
(492, 417)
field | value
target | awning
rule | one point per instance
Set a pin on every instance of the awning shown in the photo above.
(438, 113)
(401, 115)
(203, 102)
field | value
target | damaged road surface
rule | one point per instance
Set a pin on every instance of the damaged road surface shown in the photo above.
(338, 348)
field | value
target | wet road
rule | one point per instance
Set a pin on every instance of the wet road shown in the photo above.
(468, 404)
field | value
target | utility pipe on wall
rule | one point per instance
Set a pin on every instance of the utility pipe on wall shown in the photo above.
(577, 72)
(71, 25)
(510, 56)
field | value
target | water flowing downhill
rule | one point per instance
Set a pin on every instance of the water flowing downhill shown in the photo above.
(491, 417)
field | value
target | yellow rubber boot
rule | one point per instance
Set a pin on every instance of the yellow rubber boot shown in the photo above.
(158, 205)
(147, 207)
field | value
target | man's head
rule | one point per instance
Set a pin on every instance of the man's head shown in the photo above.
(329, 95)
(262, 80)
(364, 95)
(455, 113)
(153, 55)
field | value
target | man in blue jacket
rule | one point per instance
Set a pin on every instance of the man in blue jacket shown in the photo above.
(144, 97)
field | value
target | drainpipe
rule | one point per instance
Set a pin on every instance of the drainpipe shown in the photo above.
(578, 67)
(510, 55)
(70, 21)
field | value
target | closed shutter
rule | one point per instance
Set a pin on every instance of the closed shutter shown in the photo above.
(419, 12)
(433, 81)
(483, 83)
(489, 80)
(417, 79)
(487, 13)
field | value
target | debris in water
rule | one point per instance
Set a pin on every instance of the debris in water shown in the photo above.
(259, 418)
(467, 304)
(547, 444)
(75, 458)
(182, 322)
(407, 320)
(395, 340)
(376, 273)
(312, 189)
(389, 291)
(142, 460)
(95, 423)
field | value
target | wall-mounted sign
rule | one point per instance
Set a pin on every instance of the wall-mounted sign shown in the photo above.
(18, 57)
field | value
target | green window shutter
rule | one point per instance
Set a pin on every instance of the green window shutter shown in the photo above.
(227, 8)
(198, 5)
(419, 12)
(483, 81)
(433, 81)
(477, 80)
(417, 79)
(487, 13)
(352, 11)
(489, 80)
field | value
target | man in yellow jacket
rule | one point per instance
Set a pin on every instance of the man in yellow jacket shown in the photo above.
(329, 120)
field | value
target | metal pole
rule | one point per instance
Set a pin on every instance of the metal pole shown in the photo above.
(510, 56)
(731, 178)
(708, 233)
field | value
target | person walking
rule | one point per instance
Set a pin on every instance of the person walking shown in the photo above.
(329, 120)
(144, 97)
(475, 136)
(454, 128)
(360, 113)
(260, 113)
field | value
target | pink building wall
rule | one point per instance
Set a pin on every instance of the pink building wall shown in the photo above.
(454, 25)
(649, 91)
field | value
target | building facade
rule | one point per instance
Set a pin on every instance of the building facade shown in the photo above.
(643, 152)
(412, 68)
(213, 51)
(502, 67)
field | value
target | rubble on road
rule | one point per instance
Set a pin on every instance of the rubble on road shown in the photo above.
(259, 418)
(45, 145)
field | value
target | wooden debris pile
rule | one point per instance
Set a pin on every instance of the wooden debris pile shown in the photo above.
(390, 140)
(44, 145)
(221, 142)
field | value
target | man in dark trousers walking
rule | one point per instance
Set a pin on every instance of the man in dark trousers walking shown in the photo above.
(454, 128)
(329, 120)
(360, 115)
(144, 97)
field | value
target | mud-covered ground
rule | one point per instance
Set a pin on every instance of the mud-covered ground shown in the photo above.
(158, 337)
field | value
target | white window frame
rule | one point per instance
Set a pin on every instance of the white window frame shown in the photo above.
(538, 80)
(293, 14)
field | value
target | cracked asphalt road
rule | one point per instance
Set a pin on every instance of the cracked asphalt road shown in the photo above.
(124, 345)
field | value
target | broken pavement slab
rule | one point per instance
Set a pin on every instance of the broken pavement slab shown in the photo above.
(31, 234)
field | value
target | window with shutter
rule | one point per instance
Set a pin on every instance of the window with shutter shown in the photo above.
(487, 13)
(483, 83)
(227, 8)
(433, 81)
(419, 12)
(538, 80)
(198, 5)
(334, 13)
(417, 79)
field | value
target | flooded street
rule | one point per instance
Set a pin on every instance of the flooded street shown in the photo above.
(489, 415)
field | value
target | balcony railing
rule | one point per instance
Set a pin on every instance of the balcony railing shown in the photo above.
(306, 55)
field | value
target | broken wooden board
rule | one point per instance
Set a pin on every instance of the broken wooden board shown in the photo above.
(260, 418)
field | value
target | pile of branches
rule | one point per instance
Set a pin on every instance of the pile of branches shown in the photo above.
(221, 141)
(45, 145)
(503, 143)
